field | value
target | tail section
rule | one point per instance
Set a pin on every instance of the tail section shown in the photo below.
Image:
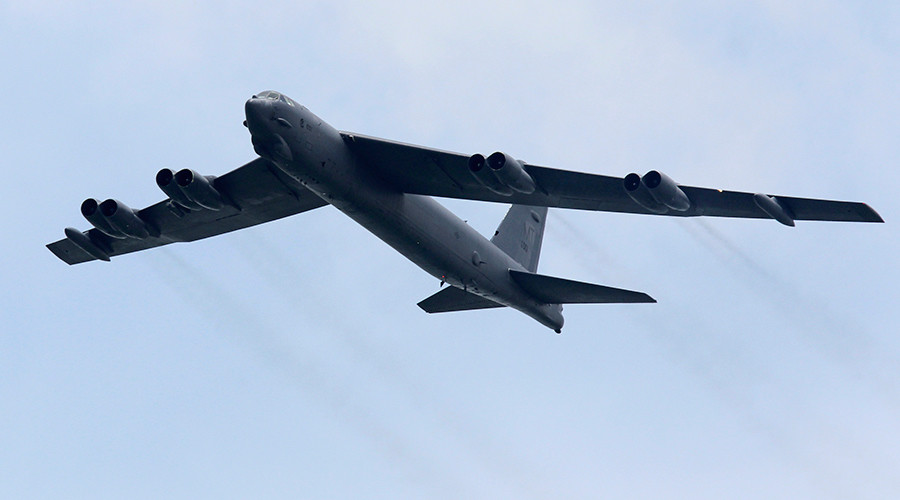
(521, 234)
(552, 290)
(454, 299)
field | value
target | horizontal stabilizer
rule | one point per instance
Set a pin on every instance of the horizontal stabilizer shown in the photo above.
(551, 290)
(455, 299)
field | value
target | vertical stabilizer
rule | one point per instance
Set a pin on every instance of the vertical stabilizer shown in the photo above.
(521, 233)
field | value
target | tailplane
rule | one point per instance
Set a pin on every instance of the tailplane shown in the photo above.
(454, 299)
(551, 290)
(521, 234)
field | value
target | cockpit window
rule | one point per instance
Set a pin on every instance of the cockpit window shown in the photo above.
(269, 94)
(275, 96)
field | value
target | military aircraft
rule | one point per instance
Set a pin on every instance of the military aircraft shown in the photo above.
(386, 186)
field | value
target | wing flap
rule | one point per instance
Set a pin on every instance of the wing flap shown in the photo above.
(455, 299)
(552, 290)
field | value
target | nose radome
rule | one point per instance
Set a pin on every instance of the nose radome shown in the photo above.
(255, 110)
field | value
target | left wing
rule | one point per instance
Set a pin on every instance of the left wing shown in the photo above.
(254, 193)
(432, 172)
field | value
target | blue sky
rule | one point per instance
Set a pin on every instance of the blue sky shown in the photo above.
(290, 360)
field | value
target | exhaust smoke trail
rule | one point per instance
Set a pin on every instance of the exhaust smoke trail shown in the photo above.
(726, 375)
(584, 250)
(309, 374)
(287, 278)
(858, 352)
(716, 361)
(818, 327)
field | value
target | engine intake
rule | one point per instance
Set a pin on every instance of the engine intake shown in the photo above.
(656, 192)
(198, 189)
(510, 172)
(120, 218)
(486, 176)
(165, 179)
(504, 174)
(90, 209)
(666, 191)
(638, 192)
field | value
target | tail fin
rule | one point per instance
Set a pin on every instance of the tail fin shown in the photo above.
(521, 234)
(553, 290)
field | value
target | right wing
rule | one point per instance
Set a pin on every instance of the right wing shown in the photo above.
(433, 172)
(258, 191)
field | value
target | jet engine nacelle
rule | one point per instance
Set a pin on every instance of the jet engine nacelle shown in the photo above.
(503, 175)
(165, 179)
(198, 189)
(666, 191)
(641, 195)
(90, 209)
(656, 192)
(113, 218)
(510, 172)
(486, 176)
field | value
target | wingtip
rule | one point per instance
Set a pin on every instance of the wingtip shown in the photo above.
(875, 215)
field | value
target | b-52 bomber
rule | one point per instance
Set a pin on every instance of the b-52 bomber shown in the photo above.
(387, 187)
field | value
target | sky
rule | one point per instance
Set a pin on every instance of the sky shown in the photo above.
(290, 360)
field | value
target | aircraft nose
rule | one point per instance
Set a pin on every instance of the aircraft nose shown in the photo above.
(254, 106)
(258, 111)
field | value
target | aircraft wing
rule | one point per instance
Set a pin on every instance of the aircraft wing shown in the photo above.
(255, 193)
(432, 172)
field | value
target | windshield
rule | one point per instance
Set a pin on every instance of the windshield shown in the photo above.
(269, 94)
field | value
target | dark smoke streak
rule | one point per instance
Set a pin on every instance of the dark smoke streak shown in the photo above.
(246, 328)
(716, 361)
(837, 337)
(288, 279)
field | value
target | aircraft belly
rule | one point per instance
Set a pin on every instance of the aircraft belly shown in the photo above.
(445, 247)
(419, 228)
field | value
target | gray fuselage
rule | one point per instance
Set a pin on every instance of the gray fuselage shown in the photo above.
(316, 155)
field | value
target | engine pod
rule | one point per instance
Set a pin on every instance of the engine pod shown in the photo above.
(638, 192)
(165, 179)
(510, 172)
(666, 191)
(199, 189)
(124, 219)
(90, 209)
(486, 176)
